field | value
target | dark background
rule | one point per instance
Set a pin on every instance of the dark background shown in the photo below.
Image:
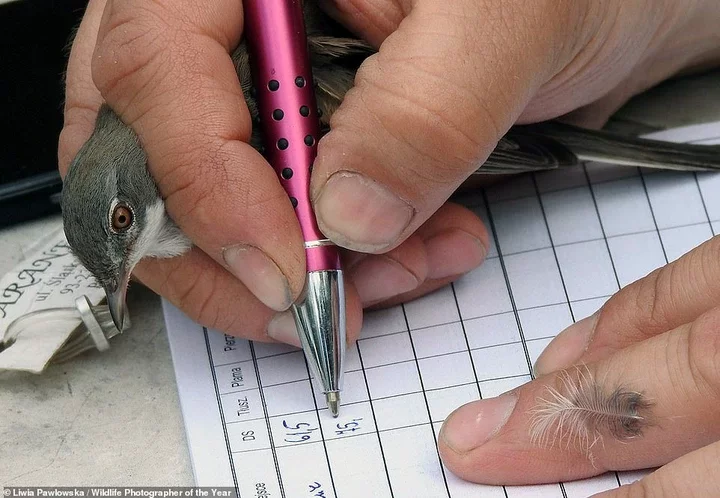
(34, 41)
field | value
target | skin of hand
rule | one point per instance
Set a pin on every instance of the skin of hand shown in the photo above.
(657, 336)
(449, 79)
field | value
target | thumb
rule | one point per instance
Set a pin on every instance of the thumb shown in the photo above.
(694, 474)
(430, 106)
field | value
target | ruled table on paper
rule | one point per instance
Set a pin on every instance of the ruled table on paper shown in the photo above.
(562, 243)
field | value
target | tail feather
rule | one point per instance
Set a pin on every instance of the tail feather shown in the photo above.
(552, 145)
(608, 147)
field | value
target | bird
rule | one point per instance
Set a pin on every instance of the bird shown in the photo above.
(114, 214)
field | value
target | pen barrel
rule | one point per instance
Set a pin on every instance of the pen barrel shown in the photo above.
(282, 76)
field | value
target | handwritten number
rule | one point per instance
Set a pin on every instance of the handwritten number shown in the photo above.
(351, 426)
(301, 432)
(302, 439)
(297, 426)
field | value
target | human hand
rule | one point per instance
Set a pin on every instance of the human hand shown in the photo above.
(217, 188)
(427, 109)
(657, 342)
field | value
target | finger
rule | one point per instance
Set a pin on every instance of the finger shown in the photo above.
(428, 286)
(165, 68)
(82, 98)
(672, 295)
(452, 242)
(696, 474)
(427, 110)
(642, 407)
(212, 297)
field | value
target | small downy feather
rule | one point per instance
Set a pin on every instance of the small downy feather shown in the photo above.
(586, 411)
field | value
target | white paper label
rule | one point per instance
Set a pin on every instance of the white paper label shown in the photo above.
(51, 277)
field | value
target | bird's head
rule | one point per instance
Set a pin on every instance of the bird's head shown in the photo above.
(113, 214)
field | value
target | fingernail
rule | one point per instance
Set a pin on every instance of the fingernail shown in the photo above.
(282, 328)
(377, 278)
(474, 424)
(567, 347)
(453, 252)
(260, 275)
(359, 213)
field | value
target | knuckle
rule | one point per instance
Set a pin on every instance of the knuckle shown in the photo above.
(436, 121)
(646, 299)
(77, 127)
(651, 486)
(195, 293)
(657, 312)
(661, 484)
(639, 489)
(208, 296)
(69, 143)
(195, 299)
(709, 255)
(708, 460)
(704, 353)
(131, 55)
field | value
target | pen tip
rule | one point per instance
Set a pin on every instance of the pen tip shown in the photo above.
(333, 402)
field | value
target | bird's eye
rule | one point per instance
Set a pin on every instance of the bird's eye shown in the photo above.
(122, 218)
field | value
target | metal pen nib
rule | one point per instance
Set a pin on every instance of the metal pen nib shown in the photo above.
(333, 402)
(320, 320)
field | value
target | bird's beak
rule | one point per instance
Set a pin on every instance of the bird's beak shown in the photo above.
(116, 298)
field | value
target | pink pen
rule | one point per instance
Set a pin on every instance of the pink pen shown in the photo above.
(280, 64)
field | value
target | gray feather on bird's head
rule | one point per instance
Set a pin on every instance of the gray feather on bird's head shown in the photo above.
(107, 171)
(109, 182)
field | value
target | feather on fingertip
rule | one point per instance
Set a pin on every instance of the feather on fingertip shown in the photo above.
(583, 411)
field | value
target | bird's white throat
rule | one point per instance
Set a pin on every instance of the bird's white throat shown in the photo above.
(160, 237)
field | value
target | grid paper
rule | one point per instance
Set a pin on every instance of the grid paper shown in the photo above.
(562, 243)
